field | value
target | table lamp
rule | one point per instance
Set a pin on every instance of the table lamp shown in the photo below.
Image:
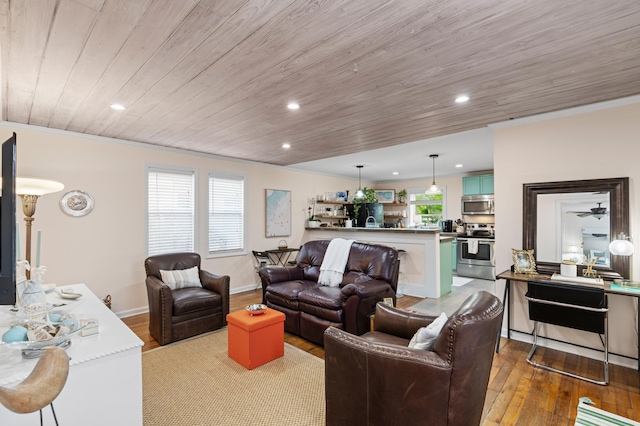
(29, 190)
(621, 246)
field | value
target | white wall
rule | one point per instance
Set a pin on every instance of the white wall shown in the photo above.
(106, 248)
(591, 145)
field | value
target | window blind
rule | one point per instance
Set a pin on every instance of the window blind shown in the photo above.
(171, 211)
(226, 214)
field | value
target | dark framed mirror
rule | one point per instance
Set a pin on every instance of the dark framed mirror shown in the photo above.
(617, 189)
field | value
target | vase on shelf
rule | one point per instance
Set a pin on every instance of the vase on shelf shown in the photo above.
(313, 223)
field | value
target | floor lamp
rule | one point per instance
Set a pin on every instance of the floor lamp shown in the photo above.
(29, 190)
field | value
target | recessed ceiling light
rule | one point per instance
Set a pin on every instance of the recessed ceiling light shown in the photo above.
(462, 99)
(458, 165)
(395, 173)
(117, 107)
(286, 145)
(293, 105)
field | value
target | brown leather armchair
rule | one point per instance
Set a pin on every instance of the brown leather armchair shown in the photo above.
(375, 379)
(184, 312)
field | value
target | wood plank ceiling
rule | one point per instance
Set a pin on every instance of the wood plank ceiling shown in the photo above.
(215, 76)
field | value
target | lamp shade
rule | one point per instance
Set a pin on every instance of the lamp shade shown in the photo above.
(433, 189)
(33, 186)
(621, 247)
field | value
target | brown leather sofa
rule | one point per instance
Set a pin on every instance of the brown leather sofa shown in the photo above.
(371, 274)
(185, 312)
(376, 379)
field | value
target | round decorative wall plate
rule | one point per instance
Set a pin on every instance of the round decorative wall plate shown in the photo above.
(76, 203)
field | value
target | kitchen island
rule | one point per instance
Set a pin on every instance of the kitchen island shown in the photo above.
(420, 250)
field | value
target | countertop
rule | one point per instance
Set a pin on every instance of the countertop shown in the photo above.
(444, 236)
(453, 234)
(382, 230)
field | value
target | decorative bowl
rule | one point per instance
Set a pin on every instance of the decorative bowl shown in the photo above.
(68, 294)
(256, 309)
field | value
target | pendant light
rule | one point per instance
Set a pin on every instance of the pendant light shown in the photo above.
(359, 193)
(434, 188)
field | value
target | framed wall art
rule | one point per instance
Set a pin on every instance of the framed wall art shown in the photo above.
(385, 195)
(278, 214)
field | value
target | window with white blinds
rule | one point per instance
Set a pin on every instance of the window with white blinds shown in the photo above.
(171, 210)
(226, 214)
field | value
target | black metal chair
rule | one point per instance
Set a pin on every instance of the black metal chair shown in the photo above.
(568, 305)
(261, 260)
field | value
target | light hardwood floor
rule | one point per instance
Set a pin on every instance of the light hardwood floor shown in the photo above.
(518, 393)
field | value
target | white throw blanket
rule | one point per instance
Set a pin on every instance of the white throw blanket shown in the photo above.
(472, 246)
(334, 262)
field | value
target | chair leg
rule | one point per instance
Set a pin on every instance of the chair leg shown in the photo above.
(566, 373)
(55, 418)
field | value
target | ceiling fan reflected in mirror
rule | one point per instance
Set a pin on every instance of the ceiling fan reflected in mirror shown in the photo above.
(597, 212)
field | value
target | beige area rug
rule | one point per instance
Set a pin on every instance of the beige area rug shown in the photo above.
(194, 382)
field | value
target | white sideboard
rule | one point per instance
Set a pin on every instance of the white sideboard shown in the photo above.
(104, 386)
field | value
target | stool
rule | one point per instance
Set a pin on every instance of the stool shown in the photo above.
(255, 340)
(41, 387)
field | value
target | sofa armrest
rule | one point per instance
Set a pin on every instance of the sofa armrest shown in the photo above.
(160, 308)
(365, 289)
(219, 284)
(398, 322)
(363, 378)
(278, 274)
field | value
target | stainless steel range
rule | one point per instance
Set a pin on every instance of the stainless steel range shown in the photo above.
(475, 252)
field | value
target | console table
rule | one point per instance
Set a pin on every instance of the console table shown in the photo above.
(510, 276)
(104, 386)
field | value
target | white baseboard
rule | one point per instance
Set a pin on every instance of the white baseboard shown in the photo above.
(145, 309)
(132, 312)
(572, 349)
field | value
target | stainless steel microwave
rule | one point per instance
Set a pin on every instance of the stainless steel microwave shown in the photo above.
(478, 204)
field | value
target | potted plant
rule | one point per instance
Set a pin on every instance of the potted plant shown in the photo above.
(402, 195)
(371, 208)
(312, 221)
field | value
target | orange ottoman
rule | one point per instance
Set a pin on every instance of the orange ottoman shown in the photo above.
(255, 340)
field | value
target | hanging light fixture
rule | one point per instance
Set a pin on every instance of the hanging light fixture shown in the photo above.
(359, 193)
(434, 188)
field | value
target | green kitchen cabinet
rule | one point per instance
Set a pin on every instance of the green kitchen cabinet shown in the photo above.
(446, 273)
(477, 185)
(454, 254)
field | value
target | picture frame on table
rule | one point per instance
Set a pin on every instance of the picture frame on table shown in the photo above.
(386, 196)
(523, 261)
(388, 301)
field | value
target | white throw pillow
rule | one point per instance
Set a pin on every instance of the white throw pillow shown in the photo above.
(426, 336)
(181, 278)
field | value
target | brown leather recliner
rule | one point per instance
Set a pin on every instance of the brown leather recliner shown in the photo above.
(185, 312)
(371, 274)
(376, 379)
